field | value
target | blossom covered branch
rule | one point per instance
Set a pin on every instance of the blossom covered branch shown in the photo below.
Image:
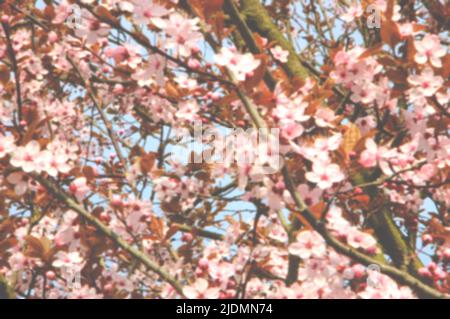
(224, 149)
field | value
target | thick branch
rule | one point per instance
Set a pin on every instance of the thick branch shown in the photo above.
(259, 20)
(247, 35)
(389, 235)
(6, 292)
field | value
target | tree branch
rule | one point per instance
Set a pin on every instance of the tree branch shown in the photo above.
(140, 256)
(6, 292)
(259, 20)
(15, 69)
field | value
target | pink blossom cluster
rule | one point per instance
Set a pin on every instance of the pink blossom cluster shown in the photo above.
(91, 117)
(358, 75)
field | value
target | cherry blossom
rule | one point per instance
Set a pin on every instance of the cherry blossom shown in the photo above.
(19, 182)
(241, 65)
(308, 244)
(84, 292)
(425, 84)
(7, 145)
(429, 49)
(279, 54)
(149, 11)
(321, 148)
(91, 29)
(355, 237)
(372, 154)
(385, 288)
(54, 163)
(27, 157)
(124, 54)
(325, 174)
(353, 12)
(183, 32)
(72, 260)
(363, 93)
(324, 117)
(188, 111)
(201, 290)
(79, 188)
(382, 6)
(152, 72)
(310, 196)
(362, 240)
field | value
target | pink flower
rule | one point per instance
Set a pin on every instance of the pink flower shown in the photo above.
(360, 240)
(221, 272)
(18, 261)
(63, 10)
(429, 49)
(84, 292)
(325, 174)
(79, 188)
(324, 117)
(26, 157)
(6, 145)
(200, 290)
(279, 54)
(287, 113)
(321, 148)
(383, 287)
(363, 92)
(185, 82)
(65, 235)
(366, 124)
(443, 97)
(91, 29)
(35, 67)
(336, 222)
(372, 154)
(125, 6)
(19, 182)
(310, 196)
(183, 33)
(54, 163)
(188, 111)
(353, 12)
(406, 29)
(124, 54)
(292, 130)
(152, 72)
(309, 244)
(247, 172)
(425, 84)
(166, 187)
(148, 11)
(381, 6)
(240, 65)
(72, 260)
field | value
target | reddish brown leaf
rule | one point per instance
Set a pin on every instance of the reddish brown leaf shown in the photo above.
(34, 247)
(390, 33)
(4, 74)
(147, 162)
